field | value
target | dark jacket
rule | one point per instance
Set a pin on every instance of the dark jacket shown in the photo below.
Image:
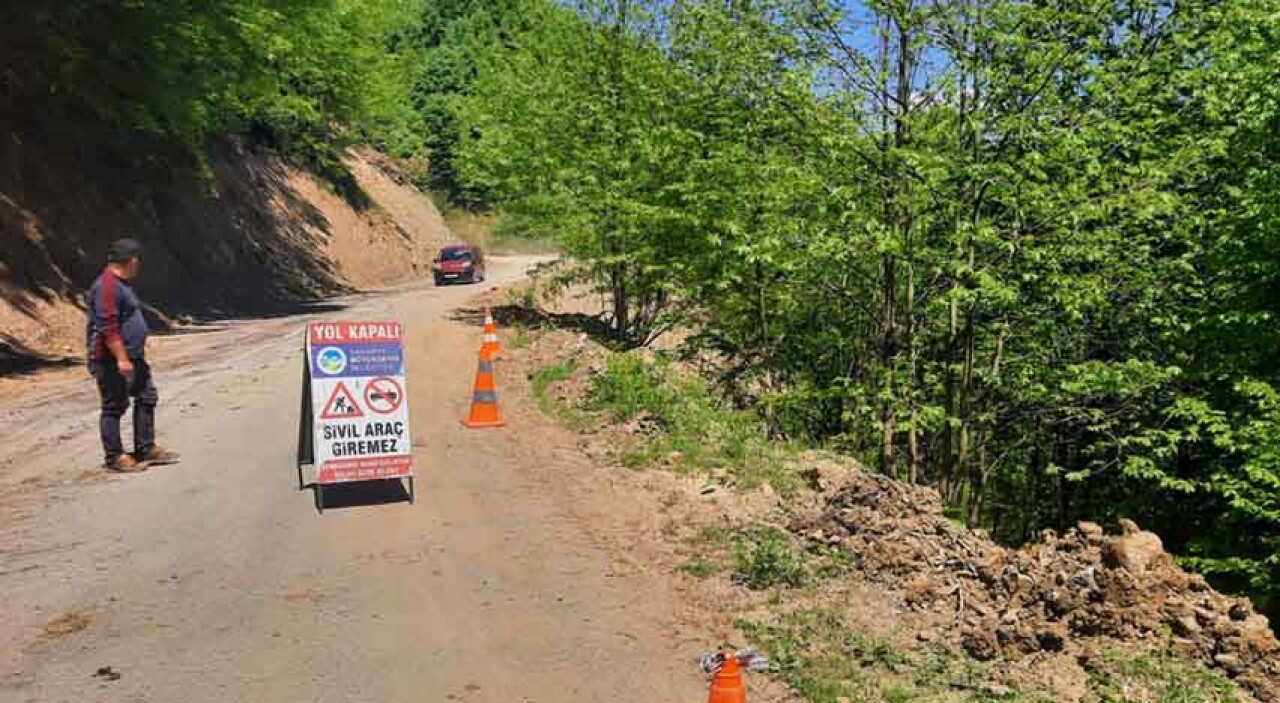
(115, 313)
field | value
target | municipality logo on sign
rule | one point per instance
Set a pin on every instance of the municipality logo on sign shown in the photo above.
(331, 360)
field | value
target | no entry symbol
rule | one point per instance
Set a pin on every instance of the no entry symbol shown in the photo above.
(383, 395)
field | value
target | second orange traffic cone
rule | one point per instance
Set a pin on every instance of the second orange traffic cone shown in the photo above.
(727, 686)
(491, 347)
(484, 398)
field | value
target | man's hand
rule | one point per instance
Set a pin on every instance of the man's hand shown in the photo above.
(123, 364)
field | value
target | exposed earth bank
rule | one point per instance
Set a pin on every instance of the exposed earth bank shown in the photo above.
(246, 233)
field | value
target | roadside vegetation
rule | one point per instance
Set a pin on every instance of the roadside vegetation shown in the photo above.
(824, 659)
(677, 419)
(1021, 253)
(800, 596)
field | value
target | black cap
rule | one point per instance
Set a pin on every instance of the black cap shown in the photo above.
(122, 250)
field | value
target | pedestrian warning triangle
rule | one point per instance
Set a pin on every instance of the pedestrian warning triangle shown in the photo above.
(342, 405)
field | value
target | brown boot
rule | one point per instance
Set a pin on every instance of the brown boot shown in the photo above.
(158, 456)
(125, 464)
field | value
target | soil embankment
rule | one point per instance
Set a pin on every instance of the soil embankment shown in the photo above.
(250, 234)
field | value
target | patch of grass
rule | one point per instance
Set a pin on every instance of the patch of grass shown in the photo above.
(522, 338)
(524, 297)
(636, 460)
(701, 567)
(804, 649)
(548, 375)
(630, 386)
(541, 383)
(767, 557)
(1122, 676)
(897, 693)
(822, 659)
(692, 429)
(710, 550)
(831, 562)
(716, 536)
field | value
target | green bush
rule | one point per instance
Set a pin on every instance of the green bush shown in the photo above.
(697, 430)
(769, 557)
(629, 387)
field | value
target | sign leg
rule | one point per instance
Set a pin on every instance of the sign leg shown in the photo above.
(411, 491)
(319, 491)
(306, 446)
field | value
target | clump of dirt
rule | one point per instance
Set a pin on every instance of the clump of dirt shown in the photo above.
(1071, 593)
(67, 624)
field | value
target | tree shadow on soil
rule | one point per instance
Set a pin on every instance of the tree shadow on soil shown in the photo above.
(18, 360)
(230, 239)
(214, 320)
(594, 326)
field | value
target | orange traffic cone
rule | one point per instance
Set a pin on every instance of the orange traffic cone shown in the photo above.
(484, 398)
(727, 685)
(491, 347)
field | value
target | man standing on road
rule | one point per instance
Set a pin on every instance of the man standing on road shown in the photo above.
(117, 338)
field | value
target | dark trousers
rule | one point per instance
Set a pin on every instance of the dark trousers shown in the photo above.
(115, 391)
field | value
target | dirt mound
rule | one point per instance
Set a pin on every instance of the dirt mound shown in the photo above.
(248, 233)
(1068, 593)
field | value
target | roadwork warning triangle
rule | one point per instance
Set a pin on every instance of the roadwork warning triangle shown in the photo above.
(342, 405)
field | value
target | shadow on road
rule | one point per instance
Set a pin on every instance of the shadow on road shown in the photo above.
(357, 494)
(594, 326)
(17, 360)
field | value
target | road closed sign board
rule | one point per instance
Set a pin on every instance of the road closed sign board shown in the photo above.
(359, 414)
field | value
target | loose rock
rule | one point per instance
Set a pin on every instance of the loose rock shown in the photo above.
(1065, 593)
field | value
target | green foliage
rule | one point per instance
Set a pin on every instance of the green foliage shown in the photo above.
(522, 337)
(455, 36)
(542, 381)
(1020, 252)
(630, 386)
(305, 75)
(688, 425)
(556, 131)
(768, 557)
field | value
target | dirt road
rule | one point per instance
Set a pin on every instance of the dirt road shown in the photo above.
(216, 579)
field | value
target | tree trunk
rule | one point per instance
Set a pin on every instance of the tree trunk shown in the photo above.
(621, 311)
(978, 487)
(888, 409)
(913, 431)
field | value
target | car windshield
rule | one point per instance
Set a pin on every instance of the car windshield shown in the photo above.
(455, 255)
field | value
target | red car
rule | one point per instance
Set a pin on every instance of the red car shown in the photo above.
(458, 262)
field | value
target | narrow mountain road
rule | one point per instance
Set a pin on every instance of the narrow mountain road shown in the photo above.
(217, 580)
